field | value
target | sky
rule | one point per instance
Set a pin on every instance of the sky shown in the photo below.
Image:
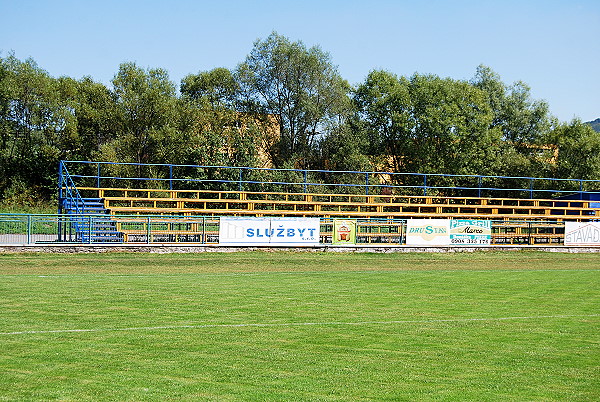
(552, 46)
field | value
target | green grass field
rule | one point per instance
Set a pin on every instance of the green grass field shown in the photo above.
(44, 208)
(300, 326)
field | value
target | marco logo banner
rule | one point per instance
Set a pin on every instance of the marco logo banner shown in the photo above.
(445, 232)
(469, 232)
(582, 233)
(269, 231)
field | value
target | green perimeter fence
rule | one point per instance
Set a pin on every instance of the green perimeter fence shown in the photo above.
(33, 229)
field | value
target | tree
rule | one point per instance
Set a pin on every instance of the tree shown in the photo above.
(300, 88)
(223, 134)
(95, 110)
(36, 126)
(426, 124)
(217, 87)
(384, 113)
(453, 126)
(578, 151)
(524, 123)
(146, 116)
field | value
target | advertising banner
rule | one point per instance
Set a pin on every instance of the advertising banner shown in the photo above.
(344, 232)
(269, 231)
(582, 233)
(428, 232)
(470, 232)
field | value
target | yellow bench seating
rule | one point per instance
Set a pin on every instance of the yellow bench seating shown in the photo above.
(214, 203)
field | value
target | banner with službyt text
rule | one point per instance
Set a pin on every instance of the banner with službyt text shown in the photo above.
(269, 231)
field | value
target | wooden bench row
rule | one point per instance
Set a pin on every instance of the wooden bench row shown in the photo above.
(145, 201)
(212, 195)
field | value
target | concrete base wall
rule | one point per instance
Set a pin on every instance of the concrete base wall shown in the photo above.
(178, 248)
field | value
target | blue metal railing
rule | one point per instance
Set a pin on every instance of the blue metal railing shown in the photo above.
(26, 229)
(71, 202)
(68, 192)
(95, 174)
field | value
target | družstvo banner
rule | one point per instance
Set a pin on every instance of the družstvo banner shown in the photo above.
(582, 233)
(470, 232)
(428, 232)
(269, 231)
(344, 232)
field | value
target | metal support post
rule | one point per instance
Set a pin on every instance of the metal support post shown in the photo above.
(60, 180)
(60, 199)
(305, 181)
(148, 230)
(98, 176)
(90, 229)
(531, 187)
(28, 229)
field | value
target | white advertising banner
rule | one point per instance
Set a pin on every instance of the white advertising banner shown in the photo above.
(428, 232)
(269, 231)
(470, 232)
(582, 233)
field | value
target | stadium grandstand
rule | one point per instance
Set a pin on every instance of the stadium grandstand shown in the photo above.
(192, 198)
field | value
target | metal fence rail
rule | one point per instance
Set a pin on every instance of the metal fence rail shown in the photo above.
(168, 176)
(28, 229)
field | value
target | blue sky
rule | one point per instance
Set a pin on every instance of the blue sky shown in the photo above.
(553, 46)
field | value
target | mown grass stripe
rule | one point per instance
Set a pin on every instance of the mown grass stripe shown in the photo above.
(291, 324)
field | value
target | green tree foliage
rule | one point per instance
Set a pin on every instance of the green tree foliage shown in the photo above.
(36, 126)
(285, 106)
(523, 122)
(96, 114)
(426, 124)
(146, 108)
(300, 88)
(215, 124)
(217, 87)
(578, 148)
(222, 136)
